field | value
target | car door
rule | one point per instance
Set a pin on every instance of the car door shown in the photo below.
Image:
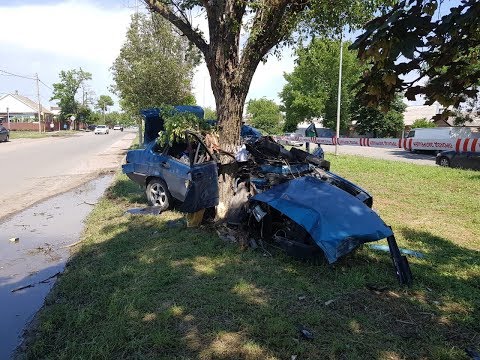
(3, 133)
(202, 191)
(472, 160)
(160, 163)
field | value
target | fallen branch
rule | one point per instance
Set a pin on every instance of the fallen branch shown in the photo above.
(68, 246)
(23, 287)
(86, 202)
(44, 281)
(406, 322)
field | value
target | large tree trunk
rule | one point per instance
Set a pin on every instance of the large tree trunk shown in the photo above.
(230, 113)
(230, 85)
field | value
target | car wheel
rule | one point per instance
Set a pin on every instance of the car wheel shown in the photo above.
(7, 139)
(158, 194)
(444, 161)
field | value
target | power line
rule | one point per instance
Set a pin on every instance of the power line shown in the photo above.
(12, 74)
(45, 84)
(7, 73)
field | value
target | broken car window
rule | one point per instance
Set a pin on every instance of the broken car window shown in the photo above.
(199, 153)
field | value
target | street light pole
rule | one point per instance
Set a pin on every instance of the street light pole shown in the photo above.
(339, 95)
(39, 106)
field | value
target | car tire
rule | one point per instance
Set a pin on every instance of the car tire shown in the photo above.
(158, 194)
(444, 162)
(7, 139)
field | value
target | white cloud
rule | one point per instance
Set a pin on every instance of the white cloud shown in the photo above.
(72, 28)
(74, 33)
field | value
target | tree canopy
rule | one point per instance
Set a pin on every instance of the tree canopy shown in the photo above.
(312, 87)
(423, 123)
(409, 48)
(103, 102)
(155, 65)
(370, 120)
(265, 115)
(242, 34)
(66, 90)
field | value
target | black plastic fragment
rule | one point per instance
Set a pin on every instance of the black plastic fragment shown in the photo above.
(402, 268)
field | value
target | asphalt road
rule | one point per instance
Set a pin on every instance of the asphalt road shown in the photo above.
(35, 169)
(395, 154)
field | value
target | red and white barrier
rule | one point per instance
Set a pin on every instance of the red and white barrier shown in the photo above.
(459, 145)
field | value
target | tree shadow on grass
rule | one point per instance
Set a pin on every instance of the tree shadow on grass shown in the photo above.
(152, 291)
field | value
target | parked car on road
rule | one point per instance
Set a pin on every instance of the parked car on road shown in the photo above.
(101, 129)
(464, 160)
(4, 134)
(118, 127)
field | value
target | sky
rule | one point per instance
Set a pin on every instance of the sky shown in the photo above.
(47, 36)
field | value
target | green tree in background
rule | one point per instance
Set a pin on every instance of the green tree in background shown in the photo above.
(66, 90)
(265, 115)
(423, 123)
(411, 37)
(210, 114)
(376, 122)
(312, 88)
(155, 65)
(103, 102)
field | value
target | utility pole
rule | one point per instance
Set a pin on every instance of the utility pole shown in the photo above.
(39, 105)
(339, 95)
(8, 118)
(140, 119)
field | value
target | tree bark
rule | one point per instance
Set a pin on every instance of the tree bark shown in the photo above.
(230, 113)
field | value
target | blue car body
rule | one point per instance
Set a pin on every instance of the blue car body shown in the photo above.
(336, 221)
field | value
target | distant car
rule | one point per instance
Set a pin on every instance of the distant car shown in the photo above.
(118, 127)
(4, 134)
(91, 127)
(291, 140)
(464, 160)
(101, 129)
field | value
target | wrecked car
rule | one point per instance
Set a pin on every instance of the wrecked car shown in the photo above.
(285, 197)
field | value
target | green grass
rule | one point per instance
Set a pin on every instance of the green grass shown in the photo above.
(139, 288)
(37, 135)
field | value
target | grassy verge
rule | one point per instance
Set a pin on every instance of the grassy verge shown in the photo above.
(37, 135)
(140, 287)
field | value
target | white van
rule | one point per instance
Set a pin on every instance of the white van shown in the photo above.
(440, 133)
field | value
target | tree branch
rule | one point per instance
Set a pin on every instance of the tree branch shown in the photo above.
(184, 26)
(270, 25)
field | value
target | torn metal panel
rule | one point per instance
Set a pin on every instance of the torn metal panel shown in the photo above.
(202, 191)
(336, 221)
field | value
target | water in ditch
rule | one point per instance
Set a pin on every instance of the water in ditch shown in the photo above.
(35, 245)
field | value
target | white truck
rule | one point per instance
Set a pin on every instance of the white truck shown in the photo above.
(438, 139)
(440, 133)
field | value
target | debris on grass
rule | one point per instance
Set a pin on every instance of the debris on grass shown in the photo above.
(305, 333)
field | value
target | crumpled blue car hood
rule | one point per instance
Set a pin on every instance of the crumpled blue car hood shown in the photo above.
(337, 221)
